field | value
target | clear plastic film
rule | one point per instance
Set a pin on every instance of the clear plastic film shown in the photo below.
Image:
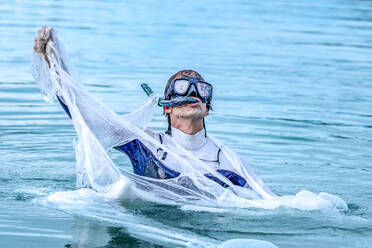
(99, 129)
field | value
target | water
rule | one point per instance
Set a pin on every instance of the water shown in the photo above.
(292, 95)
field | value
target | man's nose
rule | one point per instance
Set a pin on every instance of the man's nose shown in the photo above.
(192, 91)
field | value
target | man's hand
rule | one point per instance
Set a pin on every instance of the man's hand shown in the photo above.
(41, 41)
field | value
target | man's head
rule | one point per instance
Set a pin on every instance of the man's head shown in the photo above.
(188, 83)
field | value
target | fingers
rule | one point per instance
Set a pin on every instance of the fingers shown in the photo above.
(44, 35)
(42, 38)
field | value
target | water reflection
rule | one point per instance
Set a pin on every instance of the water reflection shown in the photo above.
(90, 234)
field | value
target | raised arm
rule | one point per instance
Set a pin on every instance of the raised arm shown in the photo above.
(57, 80)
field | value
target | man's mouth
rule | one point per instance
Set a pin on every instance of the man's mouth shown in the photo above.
(196, 103)
(193, 104)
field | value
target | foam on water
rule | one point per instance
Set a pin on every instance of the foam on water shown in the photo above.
(33, 191)
(306, 200)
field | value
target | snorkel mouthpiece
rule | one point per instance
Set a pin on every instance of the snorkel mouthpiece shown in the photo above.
(174, 102)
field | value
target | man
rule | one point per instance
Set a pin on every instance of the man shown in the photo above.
(186, 124)
(186, 135)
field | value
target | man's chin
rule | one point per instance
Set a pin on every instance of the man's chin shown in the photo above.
(190, 112)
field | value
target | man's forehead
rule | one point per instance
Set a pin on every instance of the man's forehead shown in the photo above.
(188, 74)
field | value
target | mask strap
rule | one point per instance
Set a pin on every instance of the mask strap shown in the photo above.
(205, 130)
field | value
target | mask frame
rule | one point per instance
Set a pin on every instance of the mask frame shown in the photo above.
(194, 86)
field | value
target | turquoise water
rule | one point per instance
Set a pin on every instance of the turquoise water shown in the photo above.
(292, 95)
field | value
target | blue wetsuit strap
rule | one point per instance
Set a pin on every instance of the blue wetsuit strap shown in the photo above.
(218, 156)
(64, 106)
(232, 176)
(160, 138)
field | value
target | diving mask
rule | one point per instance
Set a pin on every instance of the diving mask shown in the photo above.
(190, 86)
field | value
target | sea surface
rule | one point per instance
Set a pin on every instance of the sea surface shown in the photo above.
(292, 94)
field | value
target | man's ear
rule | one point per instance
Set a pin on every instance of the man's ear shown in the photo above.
(167, 110)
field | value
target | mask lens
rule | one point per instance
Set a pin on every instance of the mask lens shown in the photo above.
(204, 89)
(180, 86)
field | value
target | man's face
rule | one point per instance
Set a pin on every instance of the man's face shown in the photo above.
(194, 111)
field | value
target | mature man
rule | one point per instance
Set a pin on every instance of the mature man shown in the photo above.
(186, 135)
